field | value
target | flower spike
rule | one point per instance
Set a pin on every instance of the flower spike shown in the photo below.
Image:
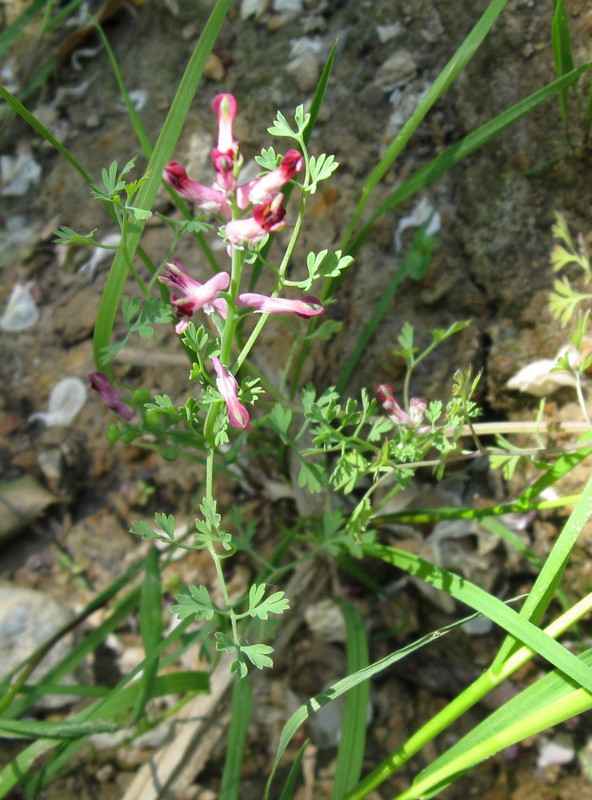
(238, 416)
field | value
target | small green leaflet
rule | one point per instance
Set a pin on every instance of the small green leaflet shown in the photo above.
(261, 608)
(197, 603)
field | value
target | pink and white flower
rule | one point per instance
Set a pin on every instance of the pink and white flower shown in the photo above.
(210, 198)
(417, 409)
(226, 383)
(304, 307)
(267, 218)
(193, 294)
(263, 189)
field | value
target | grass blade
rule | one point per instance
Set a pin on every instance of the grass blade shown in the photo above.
(12, 729)
(150, 627)
(463, 149)
(350, 754)
(548, 578)
(562, 54)
(345, 685)
(548, 702)
(39, 128)
(9, 36)
(290, 784)
(162, 153)
(445, 79)
(483, 602)
(240, 716)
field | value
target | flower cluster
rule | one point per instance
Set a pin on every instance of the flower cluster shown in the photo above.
(261, 197)
(250, 212)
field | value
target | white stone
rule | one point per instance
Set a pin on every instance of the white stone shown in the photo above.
(18, 173)
(21, 311)
(65, 401)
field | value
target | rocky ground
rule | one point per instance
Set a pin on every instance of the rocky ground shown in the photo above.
(491, 265)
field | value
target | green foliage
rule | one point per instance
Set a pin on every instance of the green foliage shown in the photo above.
(139, 318)
(565, 301)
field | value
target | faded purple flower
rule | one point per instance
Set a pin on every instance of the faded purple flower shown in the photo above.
(305, 307)
(101, 384)
(238, 416)
(263, 189)
(210, 198)
(417, 409)
(193, 294)
(267, 218)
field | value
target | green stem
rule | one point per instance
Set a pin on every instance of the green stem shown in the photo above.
(255, 333)
(231, 313)
(209, 494)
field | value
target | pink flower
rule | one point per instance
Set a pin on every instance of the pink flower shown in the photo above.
(305, 307)
(417, 408)
(262, 189)
(238, 416)
(267, 218)
(194, 295)
(225, 155)
(210, 198)
(101, 384)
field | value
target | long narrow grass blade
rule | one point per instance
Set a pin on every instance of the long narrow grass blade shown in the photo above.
(548, 702)
(113, 705)
(290, 784)
(39, 128)
(240, 717)
(74, 658)
(345, 685)
(548, 578)
(416, 261)
(558, 470)
(562, 53)
(137, 125)
(445, 79)
(150, 627)
(9, 36)
(350, 754)
(463, 149)
(444, 718)
(488, 605)
(162, 153)
(12, 729)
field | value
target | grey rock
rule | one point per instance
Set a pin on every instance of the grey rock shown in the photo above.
(27, 619)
